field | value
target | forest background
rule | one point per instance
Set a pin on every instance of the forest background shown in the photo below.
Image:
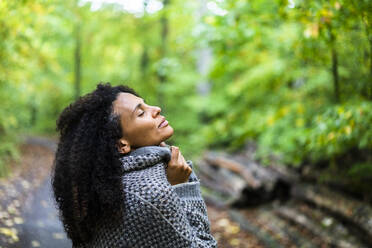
(292, 76)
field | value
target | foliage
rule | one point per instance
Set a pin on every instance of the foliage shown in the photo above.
(38, 47)
(295, 76)
(304, 136)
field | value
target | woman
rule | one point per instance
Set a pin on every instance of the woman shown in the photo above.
(115, 181)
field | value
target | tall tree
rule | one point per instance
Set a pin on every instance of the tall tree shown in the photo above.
(77, 61)
(164, 32)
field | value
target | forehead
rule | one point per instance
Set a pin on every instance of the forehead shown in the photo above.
(125, 103)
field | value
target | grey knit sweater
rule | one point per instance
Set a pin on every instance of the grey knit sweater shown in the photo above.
(156, 214)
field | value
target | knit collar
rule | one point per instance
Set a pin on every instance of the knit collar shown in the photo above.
(146, 156)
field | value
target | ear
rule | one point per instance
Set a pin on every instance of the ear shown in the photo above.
(124, 146)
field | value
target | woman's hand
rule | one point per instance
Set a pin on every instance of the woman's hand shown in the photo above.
(178, 171)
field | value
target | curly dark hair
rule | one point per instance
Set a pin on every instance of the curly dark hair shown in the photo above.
(87, 174)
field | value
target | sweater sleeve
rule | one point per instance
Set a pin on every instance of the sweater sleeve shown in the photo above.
(196, 210)
(194, 204)
(192, 177)
(176, 219)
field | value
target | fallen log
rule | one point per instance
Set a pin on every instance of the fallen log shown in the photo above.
(299, 219)
(334, 227)
(355, 213)
(280, 229)
(221, 180)
(215, 200)
(231, 165)
(260, 233)
(251, 183)
(300, 222)
(214, 186)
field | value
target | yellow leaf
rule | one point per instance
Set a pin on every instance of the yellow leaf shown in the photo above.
(35, 243)
(340, 110)
(10, 232)
(283, 111)
(234, 242)
(299, 122)
(347, 130)
(318, 119)
(352, 123)
(331, 136)
(300, 109)
(38, 8)
(9, 222)
(12, 209)
(270, 121)
(58, 235)
(16, 203)
(18, 220)
(210, 20)
(233, 229)
(223, 222)
(25, 184)
(4, 215)
(337, 5)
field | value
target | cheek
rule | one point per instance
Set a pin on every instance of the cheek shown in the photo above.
(145, 130)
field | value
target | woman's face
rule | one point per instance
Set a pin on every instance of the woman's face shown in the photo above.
(142, 124)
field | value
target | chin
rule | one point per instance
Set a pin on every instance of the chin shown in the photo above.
(169, 133)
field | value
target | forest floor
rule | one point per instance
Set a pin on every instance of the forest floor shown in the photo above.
(228, 233)
(28, 217)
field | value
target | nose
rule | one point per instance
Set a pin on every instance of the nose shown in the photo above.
(156, 111)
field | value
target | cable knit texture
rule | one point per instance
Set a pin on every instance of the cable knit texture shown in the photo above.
(156, 214)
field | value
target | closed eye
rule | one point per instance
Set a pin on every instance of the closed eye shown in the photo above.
(141, 113)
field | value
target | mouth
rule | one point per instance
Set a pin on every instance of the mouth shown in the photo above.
(163, 123)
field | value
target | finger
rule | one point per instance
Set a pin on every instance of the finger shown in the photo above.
(175, 154)
(182, 168)
(162, 144)
(179, 160)
(187, 172)
(185, 167)
(182, 159)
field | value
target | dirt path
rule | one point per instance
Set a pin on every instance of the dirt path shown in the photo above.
(41, 227)
(27, 215)
(228, 233)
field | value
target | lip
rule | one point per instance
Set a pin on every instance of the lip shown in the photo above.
(163, 123)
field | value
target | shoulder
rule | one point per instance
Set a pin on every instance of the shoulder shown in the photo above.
(150, 183)
(149, 192)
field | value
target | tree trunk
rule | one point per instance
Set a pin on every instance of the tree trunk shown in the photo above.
(77, 60)
(363, 12)
(163, 50)
(144, 61)
(145, 55)
(369, 87)
(33, 111)
(370, 57)
(203, 55)
(334, 55)
(335, 74)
